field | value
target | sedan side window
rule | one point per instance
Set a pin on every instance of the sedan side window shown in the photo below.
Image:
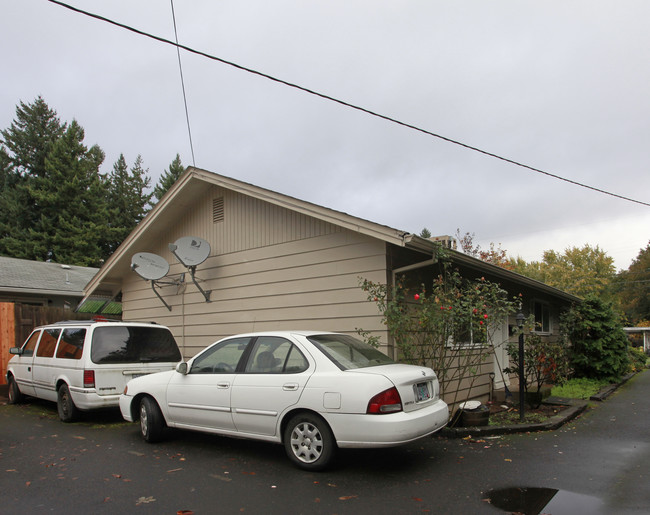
(220, 359)
(273, 355)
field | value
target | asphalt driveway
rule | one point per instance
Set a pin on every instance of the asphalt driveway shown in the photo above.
(101, 465)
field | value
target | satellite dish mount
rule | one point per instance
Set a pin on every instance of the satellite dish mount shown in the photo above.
(153, 267)
(191, 252)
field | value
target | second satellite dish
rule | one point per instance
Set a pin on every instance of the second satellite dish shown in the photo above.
(149, 266)
(190, 250)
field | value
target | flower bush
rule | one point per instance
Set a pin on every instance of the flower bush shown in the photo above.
(448, 325)
(545, 362)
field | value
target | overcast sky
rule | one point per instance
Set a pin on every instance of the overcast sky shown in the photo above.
(562, 86)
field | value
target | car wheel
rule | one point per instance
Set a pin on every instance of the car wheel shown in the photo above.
(309, 442)
(65, 405)
(15, 397)
(152, 422)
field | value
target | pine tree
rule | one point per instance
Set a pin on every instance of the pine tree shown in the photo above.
(168, 178)
(128, 200)
(23, 150)
(72, 203)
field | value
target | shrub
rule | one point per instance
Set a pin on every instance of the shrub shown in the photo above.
(638, 359)
(599, 346)
(545, 362)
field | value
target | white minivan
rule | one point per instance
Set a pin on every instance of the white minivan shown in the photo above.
(85, 364)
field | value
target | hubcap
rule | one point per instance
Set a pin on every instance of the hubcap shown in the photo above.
(143, 420)
(306, 442)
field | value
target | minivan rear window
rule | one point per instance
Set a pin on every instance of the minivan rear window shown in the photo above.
(133, 344)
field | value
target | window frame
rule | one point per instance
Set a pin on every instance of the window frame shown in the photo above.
(545, 309)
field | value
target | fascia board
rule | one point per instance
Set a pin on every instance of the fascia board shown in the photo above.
(425, 245)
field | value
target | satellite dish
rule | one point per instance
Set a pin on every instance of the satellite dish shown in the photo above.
(149, 266)
(190, 250)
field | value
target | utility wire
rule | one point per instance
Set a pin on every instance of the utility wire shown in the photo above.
(180, 68)
(346, 104)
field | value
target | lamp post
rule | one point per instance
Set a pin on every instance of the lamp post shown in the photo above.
(522, 381)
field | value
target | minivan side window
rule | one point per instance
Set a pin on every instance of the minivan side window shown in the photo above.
(30, 344)
(72, 343)
(48, 343)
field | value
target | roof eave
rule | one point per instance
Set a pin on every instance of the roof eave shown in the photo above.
(428, 246)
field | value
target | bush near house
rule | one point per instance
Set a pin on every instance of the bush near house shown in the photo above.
(545, 363)
(598, 344)
(449, 324)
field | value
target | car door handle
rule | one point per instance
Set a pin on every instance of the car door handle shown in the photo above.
(223, 385)
(290, 387)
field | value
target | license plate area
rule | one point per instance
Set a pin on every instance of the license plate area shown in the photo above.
(422, 391)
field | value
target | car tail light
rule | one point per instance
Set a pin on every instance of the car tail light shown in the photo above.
(89, 379)
(387, 401)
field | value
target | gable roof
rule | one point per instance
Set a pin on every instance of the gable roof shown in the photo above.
(193, 182)
(43, 278)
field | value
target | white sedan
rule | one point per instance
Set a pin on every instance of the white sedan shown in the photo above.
(313, 392)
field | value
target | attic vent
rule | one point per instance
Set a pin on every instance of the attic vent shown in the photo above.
(217, 210)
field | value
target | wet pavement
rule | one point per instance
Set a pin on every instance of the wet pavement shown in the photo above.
(597, 463)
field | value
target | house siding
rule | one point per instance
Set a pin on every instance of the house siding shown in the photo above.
(269, 269)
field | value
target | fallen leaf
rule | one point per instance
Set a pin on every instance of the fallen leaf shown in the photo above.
(144, 500)
(184, 512)
(347, 497)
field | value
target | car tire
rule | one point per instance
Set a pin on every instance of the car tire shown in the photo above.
(309, 442)
(14, 394)
(68, 412)
(152, 422)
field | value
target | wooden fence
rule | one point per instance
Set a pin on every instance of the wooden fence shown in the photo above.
(18, 320)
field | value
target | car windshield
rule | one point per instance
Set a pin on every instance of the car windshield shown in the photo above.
(134, 344)
(349, 353)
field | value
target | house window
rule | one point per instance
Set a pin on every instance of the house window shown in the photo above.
(468, 335)
(542, 317)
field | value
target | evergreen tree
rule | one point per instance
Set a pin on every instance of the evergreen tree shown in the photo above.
(168, 178)
(128, 200)
(633, 288)
(71, 200)
(24, 147)
(598, 342)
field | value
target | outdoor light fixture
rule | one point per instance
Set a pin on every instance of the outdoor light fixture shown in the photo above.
(522, 387)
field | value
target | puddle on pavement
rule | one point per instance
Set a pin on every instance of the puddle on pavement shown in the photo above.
(536, 501)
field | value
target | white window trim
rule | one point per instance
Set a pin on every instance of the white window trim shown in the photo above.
(545, 306)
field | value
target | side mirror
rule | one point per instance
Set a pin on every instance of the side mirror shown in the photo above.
(181, 368)
(16, 350)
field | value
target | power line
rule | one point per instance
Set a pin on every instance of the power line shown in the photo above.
(180, 68)
(344, 103)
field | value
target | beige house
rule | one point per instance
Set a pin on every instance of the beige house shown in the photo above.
(277, 262)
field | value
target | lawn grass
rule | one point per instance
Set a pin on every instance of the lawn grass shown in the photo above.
(580, 388)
